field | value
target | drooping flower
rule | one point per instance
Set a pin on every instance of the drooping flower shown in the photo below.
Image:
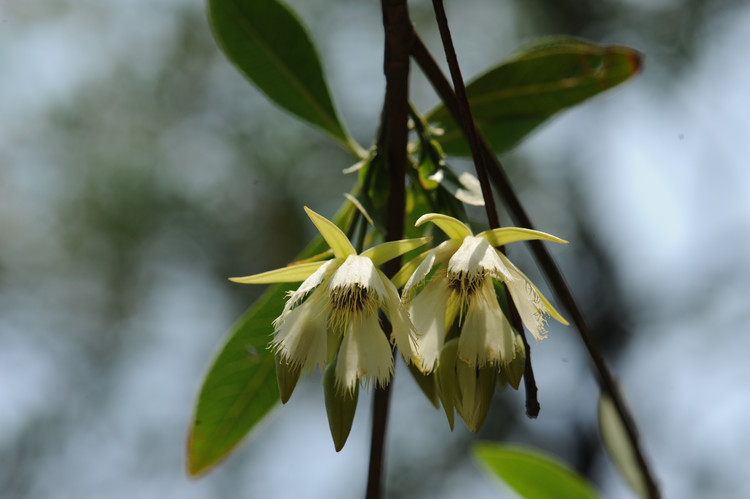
(461, 292)
(334, 312)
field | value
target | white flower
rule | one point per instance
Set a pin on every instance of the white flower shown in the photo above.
(335, 311)
(461, 272)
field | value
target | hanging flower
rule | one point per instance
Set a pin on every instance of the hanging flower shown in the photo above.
(334, 312)
(461, 288)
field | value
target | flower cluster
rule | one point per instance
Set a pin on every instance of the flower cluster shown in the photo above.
(447, 320)
(463, 331)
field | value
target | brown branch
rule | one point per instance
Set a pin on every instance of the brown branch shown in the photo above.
(464, 113)
(399, 35)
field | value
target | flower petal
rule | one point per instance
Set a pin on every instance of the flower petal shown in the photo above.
(335, 238)
(428, 314)
(505, 235)
(476, 256)
(486, 335)
(388, 251)
(360, 271)
(403, 332)
(531, 305)
(365, 351)
(453, 228)
(300, 336)
(292, 273)
(439, 254)
(407, 269)
(310, 283)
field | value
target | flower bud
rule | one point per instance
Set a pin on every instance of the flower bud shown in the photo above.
(427, 382)
(287, 376)
(475, 388)
(446, 378)
(515, 369)
(340, 406)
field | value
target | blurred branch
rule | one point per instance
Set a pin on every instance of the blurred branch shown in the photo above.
(603, 375)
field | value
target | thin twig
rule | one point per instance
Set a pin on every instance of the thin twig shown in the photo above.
(554, 276)
(464, 112)
(480, 161)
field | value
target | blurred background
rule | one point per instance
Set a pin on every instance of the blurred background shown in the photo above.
(138, 170)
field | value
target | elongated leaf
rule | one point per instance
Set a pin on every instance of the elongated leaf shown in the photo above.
(269, 45)
(532, 474)
(240, 388)
(511, 100)
(618, 445)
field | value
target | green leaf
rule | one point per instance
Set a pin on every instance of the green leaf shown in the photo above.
(532, 474)
(241, 388)
(269, 45)
(552, 74)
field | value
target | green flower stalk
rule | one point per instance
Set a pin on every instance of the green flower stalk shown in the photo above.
(334, 312)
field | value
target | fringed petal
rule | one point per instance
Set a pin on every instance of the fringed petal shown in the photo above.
(428, 311)
(365, 352)
(301, 335)
(531, 305)
(403, 334)
(486, 335)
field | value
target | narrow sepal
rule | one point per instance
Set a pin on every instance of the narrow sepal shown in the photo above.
(334, 236)
(292, 273)
(340, 407)
(506, 235)
(388, 251)
(453, 228)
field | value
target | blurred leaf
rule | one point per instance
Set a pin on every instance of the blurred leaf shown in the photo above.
(241, 387)
(532, 474)
(269, 45)
(552, 74)
(618, 445)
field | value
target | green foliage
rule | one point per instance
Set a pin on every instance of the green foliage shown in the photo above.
(552, 74)
(269, 45)
(532, 474)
